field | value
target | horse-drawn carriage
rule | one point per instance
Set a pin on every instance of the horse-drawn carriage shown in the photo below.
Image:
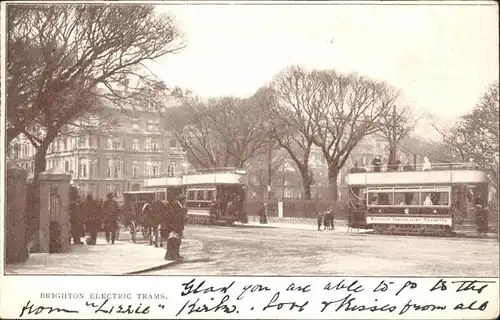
(142, 214)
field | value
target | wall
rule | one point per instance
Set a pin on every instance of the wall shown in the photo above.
(15, 220)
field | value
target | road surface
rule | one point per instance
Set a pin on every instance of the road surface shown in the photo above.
(273, 251)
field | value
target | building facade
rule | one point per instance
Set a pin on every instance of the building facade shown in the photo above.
(112, 160)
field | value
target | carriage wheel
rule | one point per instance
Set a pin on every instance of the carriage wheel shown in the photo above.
(133, 231)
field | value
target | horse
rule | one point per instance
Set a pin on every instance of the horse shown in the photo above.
(328, 221)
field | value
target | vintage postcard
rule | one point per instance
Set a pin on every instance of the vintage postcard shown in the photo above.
(249, 159)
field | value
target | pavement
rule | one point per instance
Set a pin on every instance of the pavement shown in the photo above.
(104, 259)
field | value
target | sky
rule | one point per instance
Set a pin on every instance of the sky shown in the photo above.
(441, 58)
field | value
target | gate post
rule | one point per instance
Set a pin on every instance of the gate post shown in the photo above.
(54, 211)
(15, 217)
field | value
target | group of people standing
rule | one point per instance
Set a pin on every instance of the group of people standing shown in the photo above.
(327, 219)
(91, 216)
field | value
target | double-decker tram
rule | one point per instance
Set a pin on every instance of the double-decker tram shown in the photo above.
(214, 196)
(164, 188)
(433, 202)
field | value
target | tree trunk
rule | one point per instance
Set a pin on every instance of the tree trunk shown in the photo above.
(306, 184)
(333, 173)
(392, 155)
(34, 212)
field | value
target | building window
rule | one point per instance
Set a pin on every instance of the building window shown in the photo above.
(116, 190)
(171, 169)
(135, 144)
(154, 145)
(83, 141)
(173, 143)
(108, 173)
(135, 169)
(117, 171)
(135, 124)
(150, 125)
(109, 144)
(83, 170)
(66, 166)
(155, 170)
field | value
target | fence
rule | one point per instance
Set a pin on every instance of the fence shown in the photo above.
(298, 208)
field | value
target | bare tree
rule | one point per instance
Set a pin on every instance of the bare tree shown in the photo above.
(395, 124)
(347, 109)
(222, 132)
(290, 101)
(475, 135)
(63, 59)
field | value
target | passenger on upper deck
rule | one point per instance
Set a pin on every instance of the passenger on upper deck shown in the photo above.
(471, 165)
(357, 168)
(377, 163)
(427, 164)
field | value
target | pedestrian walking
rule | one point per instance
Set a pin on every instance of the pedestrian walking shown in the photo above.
(92, 221)
(176, 229)
(110, 213)
(482, 217)
(262, 214)
(76, 217)
(319, 220)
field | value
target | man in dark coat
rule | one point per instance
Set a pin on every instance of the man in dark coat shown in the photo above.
(76, 218)
(110, 212)
(482, 217)
(92, 220)
(177, 216)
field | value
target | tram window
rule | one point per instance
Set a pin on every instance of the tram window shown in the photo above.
(440, 198)
(210, 195)
(161, 196)
(399, 199)
(190, 195)
(372, 199)
(199, 195)
(385, 198)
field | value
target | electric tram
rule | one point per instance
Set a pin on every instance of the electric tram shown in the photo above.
(433, 202)
(214, 196)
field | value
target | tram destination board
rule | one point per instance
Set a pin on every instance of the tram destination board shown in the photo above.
(410, 220)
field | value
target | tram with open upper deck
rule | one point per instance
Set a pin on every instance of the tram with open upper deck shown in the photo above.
(433, 202)
(165, 188)
(214, 196)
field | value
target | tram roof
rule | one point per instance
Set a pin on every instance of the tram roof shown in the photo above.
(433, 177)
(213, 178)
(139, 192)
(159, 182)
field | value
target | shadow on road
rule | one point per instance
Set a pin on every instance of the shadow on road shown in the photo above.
(250, 226)
(170, 264)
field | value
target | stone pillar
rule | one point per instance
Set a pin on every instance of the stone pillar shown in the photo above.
(15, 219)
(54, 207)
(280, 209)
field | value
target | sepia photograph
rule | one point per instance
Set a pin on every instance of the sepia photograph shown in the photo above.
(250, 139)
